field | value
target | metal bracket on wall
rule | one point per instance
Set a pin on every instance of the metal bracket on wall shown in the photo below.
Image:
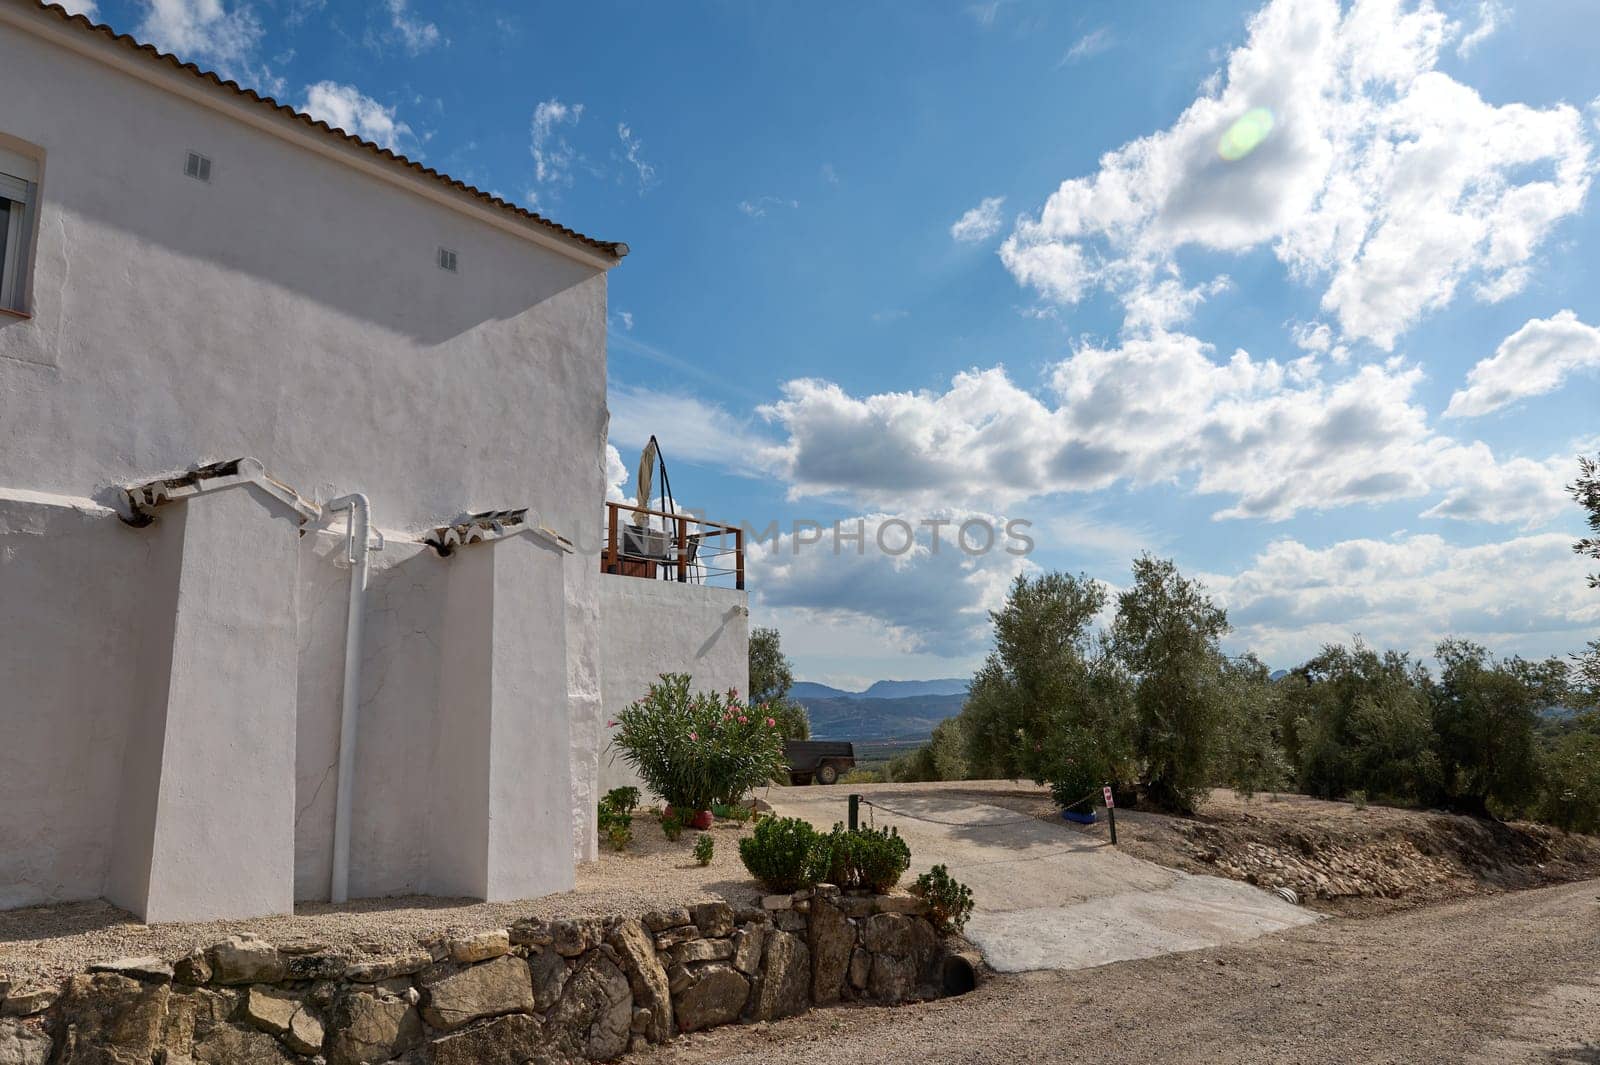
(493, 525)
(144, 498)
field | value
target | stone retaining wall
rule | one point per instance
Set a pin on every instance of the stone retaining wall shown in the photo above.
(545, 992)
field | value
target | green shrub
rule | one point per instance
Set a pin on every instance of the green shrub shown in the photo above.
(784, 853)
(734, 811)
(623, 800)
(704, 847)
(949, 899)
(615, 816)
(696, 749)
(619, 835)
(866, 858)
(672, 825)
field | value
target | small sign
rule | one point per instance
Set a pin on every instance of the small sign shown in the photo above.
(1110, 804)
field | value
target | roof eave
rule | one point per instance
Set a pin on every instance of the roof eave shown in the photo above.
(78, 34)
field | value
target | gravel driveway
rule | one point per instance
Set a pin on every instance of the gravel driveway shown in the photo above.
(1506, 979)
(1045, 896)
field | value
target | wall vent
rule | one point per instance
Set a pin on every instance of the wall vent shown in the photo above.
(447, 260)
(197, 166)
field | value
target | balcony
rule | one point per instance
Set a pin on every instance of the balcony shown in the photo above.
(661, 546)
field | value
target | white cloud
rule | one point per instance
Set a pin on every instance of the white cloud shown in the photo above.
(980, 223)
(910, 581)
(1491, 16)
(1520, 490)
(633, 150)
(758, 207)
(1160, 306)
(87, 8)
(616, 475)
(1536, 359)
(1090, 44)
(204, 31)
(1335, 141)
(417, 35)
(829, 174)
(1523, 595)
(688, 428)
(553, 155)
(984, 13)
(345, 107)
(627, 319)
(1271, 440)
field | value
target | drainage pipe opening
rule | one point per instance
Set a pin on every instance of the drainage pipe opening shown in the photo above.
(959, 974)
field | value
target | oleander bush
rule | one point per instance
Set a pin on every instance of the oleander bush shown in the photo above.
(784, 853)
(948, 899)
(697, 749)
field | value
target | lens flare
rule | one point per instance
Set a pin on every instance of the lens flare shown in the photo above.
(1246, 134)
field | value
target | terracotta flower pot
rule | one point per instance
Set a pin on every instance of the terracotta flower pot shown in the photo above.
(702, 820)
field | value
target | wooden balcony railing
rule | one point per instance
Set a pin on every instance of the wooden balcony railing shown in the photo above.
(668, 546)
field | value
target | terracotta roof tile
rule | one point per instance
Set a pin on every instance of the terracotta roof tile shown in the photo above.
(613, 249)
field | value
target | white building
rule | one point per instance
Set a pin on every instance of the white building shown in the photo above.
(194, 275)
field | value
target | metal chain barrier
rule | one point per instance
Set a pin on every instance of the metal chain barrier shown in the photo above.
(962, 824)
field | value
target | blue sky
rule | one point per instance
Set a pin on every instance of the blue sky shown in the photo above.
(947, 260)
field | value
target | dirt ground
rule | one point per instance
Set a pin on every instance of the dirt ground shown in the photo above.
(47, 943)
(1340, 858)
(1508, 979)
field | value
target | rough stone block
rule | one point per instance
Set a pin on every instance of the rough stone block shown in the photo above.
(480, 947)
(831, 938)
(716, 996)
(714, 919)
(747, 945)
(488, 990)
(661, 920)
(113, 1018)
(150, 970)
(387, 967)
(595, 1014)
(23, 1045)
(699, 950)
(785, 987)
(509, 1040)
(245, 960)
(549, 977)
(370, 1027)
(646, 977)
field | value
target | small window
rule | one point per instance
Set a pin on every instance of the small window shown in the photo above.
(19, 197)
(447, 260)
(197, 166)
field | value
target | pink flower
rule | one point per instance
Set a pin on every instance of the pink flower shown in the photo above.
(692, 736)
(743, 720)
(611, 724)
(771, 723)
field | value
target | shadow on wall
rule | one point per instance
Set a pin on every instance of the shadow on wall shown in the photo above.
(399, 701)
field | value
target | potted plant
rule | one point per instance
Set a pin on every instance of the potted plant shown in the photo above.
(697, 749)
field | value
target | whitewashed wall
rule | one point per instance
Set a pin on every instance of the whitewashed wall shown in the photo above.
(653, 627)
(292, 310)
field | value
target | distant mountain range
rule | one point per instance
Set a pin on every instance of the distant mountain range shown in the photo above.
(883, 689)
(888, 710)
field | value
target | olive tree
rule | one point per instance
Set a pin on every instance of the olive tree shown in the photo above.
(1166, 637)
(771, 677)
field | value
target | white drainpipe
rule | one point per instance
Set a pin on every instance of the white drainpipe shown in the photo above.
(356, 549)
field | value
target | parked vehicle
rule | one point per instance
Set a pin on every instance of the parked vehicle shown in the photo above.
(818, 761)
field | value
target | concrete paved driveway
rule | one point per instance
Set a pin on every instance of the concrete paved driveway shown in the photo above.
(1045, 896)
